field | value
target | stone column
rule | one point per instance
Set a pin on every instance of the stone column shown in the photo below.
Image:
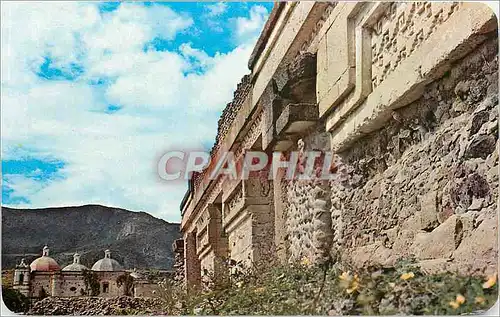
(178, 248)
(55, 284)
(261, 208)
(279, 191)
(218, 241)
(191, 262)
(248, 221)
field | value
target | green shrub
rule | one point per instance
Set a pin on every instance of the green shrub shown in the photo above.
(333, 290)
(14, 300)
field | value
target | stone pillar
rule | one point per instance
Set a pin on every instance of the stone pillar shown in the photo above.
(192, 270)
(280, 205)
(178, 248)
(218, 241)
(261, 208)
(248, 220)
(54, 284)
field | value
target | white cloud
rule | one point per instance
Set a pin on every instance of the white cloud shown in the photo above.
(249, 27)
(109, 159)
(27, 35)
(216, 9)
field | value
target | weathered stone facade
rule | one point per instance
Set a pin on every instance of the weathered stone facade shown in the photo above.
(405, 96)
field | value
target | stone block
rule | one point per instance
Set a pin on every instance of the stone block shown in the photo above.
(441, 242)
(434, 266)
(428, 211)
(372, 254)
(296, 118)
(336, 58)
(479, 250)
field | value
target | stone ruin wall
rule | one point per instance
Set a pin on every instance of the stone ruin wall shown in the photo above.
(405, 94)
(426, 184)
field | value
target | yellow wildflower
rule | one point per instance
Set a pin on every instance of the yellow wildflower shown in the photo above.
(492, 280)
(457, 302)
(349, 282)
(345, 276)
(454, 304)
(259, 290)
(354, 286)
(479, 300)
(407, 276)
(305, 261)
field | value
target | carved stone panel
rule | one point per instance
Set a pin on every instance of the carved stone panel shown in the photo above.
(401, 29)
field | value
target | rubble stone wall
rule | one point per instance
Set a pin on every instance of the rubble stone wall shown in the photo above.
(429, 177)
(39, 281)
(146, 290)
(404, 94)
(424, 184)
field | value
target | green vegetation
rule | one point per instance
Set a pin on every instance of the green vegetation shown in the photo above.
(15, 301)
(92, 286)
(333, 290)
(128, 284)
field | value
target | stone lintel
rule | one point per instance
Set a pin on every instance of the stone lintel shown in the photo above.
(296, 118)
(293, 83)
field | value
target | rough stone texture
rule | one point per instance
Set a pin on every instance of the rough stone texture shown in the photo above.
(178, 248)
(412, 44)
(191, 262)
(229, 112)
(308, 211)
(429, 185)
(240, 242)
(414, 122)
(96, 306)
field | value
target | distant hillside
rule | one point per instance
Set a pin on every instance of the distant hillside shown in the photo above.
(136, 239)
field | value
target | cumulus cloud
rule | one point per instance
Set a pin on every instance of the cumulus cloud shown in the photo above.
(216, 9)
(163, 96)
(249, 27)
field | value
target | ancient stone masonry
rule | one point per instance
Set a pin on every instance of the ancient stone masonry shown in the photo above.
(430, 176)
(397, 34)
(229, 113)
(178, 248)
(403, 95)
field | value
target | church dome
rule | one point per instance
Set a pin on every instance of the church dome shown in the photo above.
(75, 266)
(44, 263)
(107, 264)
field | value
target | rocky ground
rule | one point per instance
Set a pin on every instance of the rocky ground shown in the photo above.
(123, 305)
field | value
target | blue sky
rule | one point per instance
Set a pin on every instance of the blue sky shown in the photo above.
(94, 93)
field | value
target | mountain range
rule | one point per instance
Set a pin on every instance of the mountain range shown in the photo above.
(136, 239)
